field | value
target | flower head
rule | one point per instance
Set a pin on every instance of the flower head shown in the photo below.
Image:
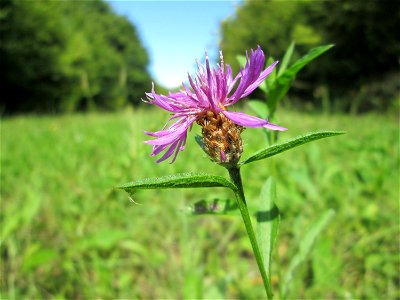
(205, 102)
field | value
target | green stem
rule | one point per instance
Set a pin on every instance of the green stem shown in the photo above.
(234, 173)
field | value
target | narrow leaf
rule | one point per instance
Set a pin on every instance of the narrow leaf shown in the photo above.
(267, 222)
(278, 148)
(38, 257)
(305, 247)
(286, 59)
(278, 89)
(264, 86)
(271, 77)
(183, 180)
(310, 56)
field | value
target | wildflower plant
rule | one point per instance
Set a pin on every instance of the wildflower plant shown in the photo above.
(206, 101)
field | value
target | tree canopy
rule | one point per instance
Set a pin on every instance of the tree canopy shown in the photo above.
(364, 62)
(65, 56)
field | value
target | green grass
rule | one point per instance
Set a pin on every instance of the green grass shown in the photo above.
(65, 233)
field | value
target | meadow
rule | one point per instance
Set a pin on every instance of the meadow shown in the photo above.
(67, 233)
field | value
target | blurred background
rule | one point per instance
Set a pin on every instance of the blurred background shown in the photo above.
(73, 74)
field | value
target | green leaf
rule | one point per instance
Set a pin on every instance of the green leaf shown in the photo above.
(259, 108)
(267, 222)
(183, 180)
(264, 86)
(305, 247)
(306, 59)
(193, 283)
(38, 256)
(290, 73)
(278, 89)
(214, 207)
(22, 216)
(271, 77)
(286, 59)
(300, 140)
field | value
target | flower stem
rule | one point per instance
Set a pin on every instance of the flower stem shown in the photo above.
(234, 173)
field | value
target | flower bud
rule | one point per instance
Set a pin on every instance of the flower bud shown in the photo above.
(221, 138)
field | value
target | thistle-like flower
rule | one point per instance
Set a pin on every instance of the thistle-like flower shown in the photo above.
(205, 103)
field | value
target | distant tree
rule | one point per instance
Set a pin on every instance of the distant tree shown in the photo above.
(364, 64)
(31, 45)
(111, 64)
(367, 39)
(64, 56)
(270, 24)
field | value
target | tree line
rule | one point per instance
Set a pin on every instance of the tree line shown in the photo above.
(60, 56)
(360, 73)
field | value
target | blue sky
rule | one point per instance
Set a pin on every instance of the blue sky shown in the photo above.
(175, 33)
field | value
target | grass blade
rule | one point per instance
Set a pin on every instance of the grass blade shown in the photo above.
(305, 247)
(286, 59)
(267, 222)
(300, 140)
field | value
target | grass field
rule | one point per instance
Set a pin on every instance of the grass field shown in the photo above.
(66, 233)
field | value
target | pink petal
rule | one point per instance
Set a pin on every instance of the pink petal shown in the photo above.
(245, 120)
(173, 139)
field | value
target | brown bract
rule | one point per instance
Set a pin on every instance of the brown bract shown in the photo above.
(221, 138)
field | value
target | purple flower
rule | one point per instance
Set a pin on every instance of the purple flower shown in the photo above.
(210, 93)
